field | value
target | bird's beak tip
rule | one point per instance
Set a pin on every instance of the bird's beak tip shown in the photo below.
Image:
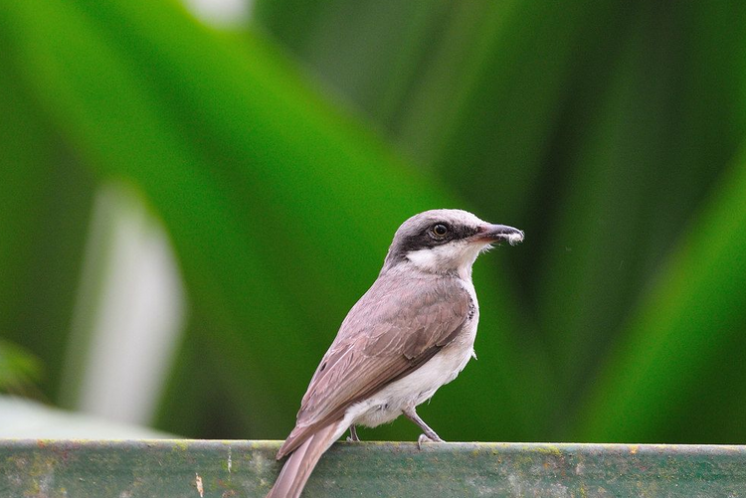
(501, 233)
(516, 238)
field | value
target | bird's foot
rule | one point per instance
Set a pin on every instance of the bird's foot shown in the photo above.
(423, 438)
(353, 437)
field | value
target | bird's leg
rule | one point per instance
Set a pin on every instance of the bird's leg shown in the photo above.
(353, 437)
(429, 435)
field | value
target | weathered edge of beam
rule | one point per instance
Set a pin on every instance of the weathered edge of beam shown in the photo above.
(198, 468)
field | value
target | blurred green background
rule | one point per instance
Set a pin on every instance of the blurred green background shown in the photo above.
(280, 151)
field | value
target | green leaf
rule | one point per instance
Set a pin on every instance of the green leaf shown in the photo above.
(19, 370)
(45, 202)
(598, 127)
(670, 376)
(639, 176)
(280, 208)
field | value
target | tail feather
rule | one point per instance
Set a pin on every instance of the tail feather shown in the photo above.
(302, 461)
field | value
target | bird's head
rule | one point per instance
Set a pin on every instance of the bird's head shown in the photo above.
(445, 241)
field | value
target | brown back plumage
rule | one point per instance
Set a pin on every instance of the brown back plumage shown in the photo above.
(379, 343)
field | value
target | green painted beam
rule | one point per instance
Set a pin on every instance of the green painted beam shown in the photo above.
(223, 469)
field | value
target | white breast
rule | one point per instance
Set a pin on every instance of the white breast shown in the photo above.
(420, 385)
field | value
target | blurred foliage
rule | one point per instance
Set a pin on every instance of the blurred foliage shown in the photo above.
(282, 158)
(19, 369)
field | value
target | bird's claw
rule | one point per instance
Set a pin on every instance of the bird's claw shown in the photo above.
(425, 439)
(353, 437)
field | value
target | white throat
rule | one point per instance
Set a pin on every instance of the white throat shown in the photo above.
(453, 257)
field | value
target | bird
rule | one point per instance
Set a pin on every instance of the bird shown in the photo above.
(410, 333)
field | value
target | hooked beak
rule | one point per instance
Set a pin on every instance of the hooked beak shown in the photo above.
(499, 233)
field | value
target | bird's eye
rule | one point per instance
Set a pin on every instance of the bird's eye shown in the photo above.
(439, 230)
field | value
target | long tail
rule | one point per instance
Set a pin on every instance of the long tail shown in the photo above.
(302, 461)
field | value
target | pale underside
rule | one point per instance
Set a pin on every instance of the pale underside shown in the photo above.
(379, 362)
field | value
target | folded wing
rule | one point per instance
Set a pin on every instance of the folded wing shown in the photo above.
(393, 329)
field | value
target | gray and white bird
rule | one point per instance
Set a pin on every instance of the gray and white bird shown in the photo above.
(411, 333)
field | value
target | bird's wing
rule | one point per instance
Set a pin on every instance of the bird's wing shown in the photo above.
(396, 327)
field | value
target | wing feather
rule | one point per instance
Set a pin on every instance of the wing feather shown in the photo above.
(379, 343)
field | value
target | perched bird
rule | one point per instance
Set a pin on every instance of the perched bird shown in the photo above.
(411, 333)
